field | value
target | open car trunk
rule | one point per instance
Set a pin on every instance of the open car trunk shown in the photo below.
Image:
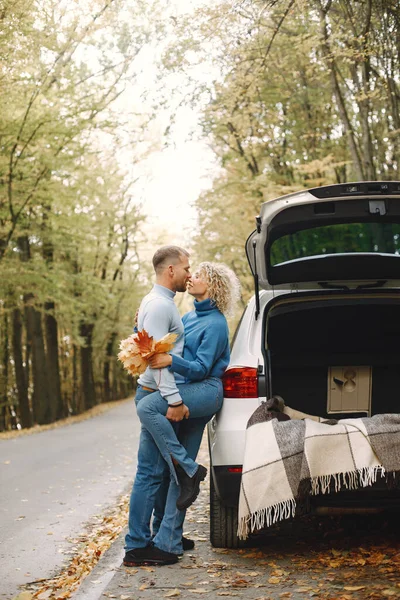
(336, 355)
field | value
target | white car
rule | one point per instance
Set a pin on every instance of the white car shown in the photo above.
(322, 330)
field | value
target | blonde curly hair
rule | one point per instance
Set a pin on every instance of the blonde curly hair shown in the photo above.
(223, 285)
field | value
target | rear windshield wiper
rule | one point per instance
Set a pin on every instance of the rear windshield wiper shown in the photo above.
(364, 286)
(332, 286)
(377, 284)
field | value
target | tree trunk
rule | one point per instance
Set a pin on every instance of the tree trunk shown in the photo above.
(122, 383)
(76, 402)
(87, 378)
(395, 114)
(4, 351)
(364, 104)
(25, 412)
(43, 407)
(337, 92)
(53, 364)
(51, 326)
(108, 388)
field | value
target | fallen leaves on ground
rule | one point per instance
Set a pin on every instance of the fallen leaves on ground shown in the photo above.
(354, 588)
(327, 559)
(93, 545)
(144, 586)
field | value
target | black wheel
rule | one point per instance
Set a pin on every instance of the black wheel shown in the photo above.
(223, 522)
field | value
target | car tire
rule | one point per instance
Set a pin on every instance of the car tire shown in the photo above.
(223, 522)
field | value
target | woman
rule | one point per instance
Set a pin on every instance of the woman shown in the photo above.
(205, 357)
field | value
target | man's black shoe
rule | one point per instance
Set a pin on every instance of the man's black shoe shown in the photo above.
(151, 555)
(187, 543)
(190, 486)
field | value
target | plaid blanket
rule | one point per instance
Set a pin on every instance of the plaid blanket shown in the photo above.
(285, 460)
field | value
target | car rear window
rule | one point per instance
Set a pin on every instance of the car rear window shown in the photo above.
(338, 238)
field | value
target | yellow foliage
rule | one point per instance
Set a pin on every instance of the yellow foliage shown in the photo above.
(138, 348)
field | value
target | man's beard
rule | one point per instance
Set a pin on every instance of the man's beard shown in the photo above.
(181, 287)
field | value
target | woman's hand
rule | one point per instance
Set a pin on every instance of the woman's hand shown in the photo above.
(159, 361)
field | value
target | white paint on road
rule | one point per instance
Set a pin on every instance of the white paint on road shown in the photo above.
(53, 483)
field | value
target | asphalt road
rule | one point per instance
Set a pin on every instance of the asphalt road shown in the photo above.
(344, 558)
(52, 483)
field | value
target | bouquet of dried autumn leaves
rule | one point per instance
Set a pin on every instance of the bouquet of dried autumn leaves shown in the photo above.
(139, 347)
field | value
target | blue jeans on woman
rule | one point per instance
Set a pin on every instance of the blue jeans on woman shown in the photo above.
(203, 399)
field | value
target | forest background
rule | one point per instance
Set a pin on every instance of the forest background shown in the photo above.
(299, 94)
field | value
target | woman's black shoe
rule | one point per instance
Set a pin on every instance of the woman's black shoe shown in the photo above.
(151, 555)
(190, 486)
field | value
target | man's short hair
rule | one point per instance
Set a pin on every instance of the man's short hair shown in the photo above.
(168, 255)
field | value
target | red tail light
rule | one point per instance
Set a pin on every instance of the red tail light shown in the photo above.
(240, 382)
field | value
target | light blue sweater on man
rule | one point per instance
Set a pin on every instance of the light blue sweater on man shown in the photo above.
(158, 315)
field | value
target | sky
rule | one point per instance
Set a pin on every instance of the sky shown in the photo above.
(174, 176)
(183, 164)
(169, 178)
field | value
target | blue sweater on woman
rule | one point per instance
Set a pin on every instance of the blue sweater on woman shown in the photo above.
(206, 350)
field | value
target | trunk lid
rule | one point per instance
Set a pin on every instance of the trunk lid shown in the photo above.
(345, 235)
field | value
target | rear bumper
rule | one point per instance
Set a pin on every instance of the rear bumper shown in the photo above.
(227, 430)
(377, 497)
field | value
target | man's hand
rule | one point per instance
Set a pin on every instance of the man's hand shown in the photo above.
(177, 413)
(159, 361)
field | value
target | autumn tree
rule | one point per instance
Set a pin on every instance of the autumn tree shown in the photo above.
(69, 219)
(306, 94)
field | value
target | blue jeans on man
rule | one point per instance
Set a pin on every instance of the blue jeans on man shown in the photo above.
(203, 399)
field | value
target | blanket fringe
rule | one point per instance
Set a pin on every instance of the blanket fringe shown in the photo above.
(351, 480)
(265, 517)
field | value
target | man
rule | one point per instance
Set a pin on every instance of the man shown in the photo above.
(158, 315)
